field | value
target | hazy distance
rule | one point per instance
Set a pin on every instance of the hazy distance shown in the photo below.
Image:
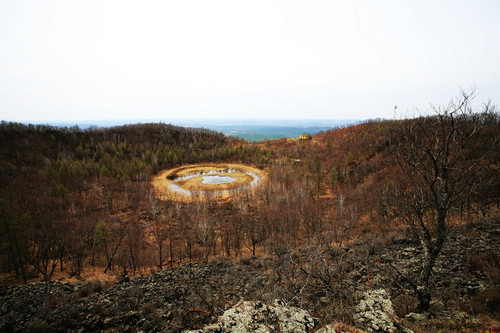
(248, 129)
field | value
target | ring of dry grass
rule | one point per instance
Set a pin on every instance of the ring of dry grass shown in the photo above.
(194, 174)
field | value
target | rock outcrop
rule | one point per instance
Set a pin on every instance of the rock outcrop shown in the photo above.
(249, 316)
(375, 313)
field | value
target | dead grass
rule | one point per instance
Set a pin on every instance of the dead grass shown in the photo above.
(87, 274)
(161, 182)
(195, 184)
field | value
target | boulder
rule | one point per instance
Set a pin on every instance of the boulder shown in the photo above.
(375, 313)
(249, 316)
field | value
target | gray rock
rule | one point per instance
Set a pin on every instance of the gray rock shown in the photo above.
(375, 313)
(159, 302)
(249, 316)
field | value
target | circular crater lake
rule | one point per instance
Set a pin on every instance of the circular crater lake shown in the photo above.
(217, 180)
(192, 181)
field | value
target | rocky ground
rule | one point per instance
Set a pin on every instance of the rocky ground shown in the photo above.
(171, 300)
(274, 295)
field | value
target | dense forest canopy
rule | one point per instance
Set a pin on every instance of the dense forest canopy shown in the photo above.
(62, 174)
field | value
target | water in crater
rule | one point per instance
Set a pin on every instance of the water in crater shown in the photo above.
(211, 177)
(217, 180)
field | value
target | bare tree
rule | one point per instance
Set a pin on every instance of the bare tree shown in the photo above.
(109, 240)
(161, 232)
(440, 164)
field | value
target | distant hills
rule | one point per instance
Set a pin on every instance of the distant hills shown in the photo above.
(247, 129)
(263, 132)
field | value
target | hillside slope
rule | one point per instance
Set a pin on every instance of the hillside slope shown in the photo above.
(191, 296)
(378, 205)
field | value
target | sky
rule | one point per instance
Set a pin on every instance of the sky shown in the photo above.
(119, 59)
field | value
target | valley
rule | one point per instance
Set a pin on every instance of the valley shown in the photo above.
(408, 206)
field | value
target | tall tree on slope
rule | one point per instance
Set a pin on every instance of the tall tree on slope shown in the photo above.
(441, 160)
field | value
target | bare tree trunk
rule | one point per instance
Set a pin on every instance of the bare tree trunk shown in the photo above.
(438, 171)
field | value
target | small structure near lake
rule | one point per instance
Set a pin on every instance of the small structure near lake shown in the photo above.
(305, 136)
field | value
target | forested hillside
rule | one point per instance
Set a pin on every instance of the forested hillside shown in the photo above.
(58, 184)
(332, 219)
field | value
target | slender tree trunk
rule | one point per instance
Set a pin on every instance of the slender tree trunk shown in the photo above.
(160, 255)
(431, 252)
(110, 257)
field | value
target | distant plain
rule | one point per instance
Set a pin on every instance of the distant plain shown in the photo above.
(247, 129)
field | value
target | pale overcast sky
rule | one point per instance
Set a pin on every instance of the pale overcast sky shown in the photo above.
(96, 59)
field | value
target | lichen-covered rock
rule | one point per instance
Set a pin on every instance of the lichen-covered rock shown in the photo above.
(375, 313)
(252, 316)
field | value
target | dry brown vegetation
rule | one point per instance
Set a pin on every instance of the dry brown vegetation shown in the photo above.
(327, 221)
(162, 180)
